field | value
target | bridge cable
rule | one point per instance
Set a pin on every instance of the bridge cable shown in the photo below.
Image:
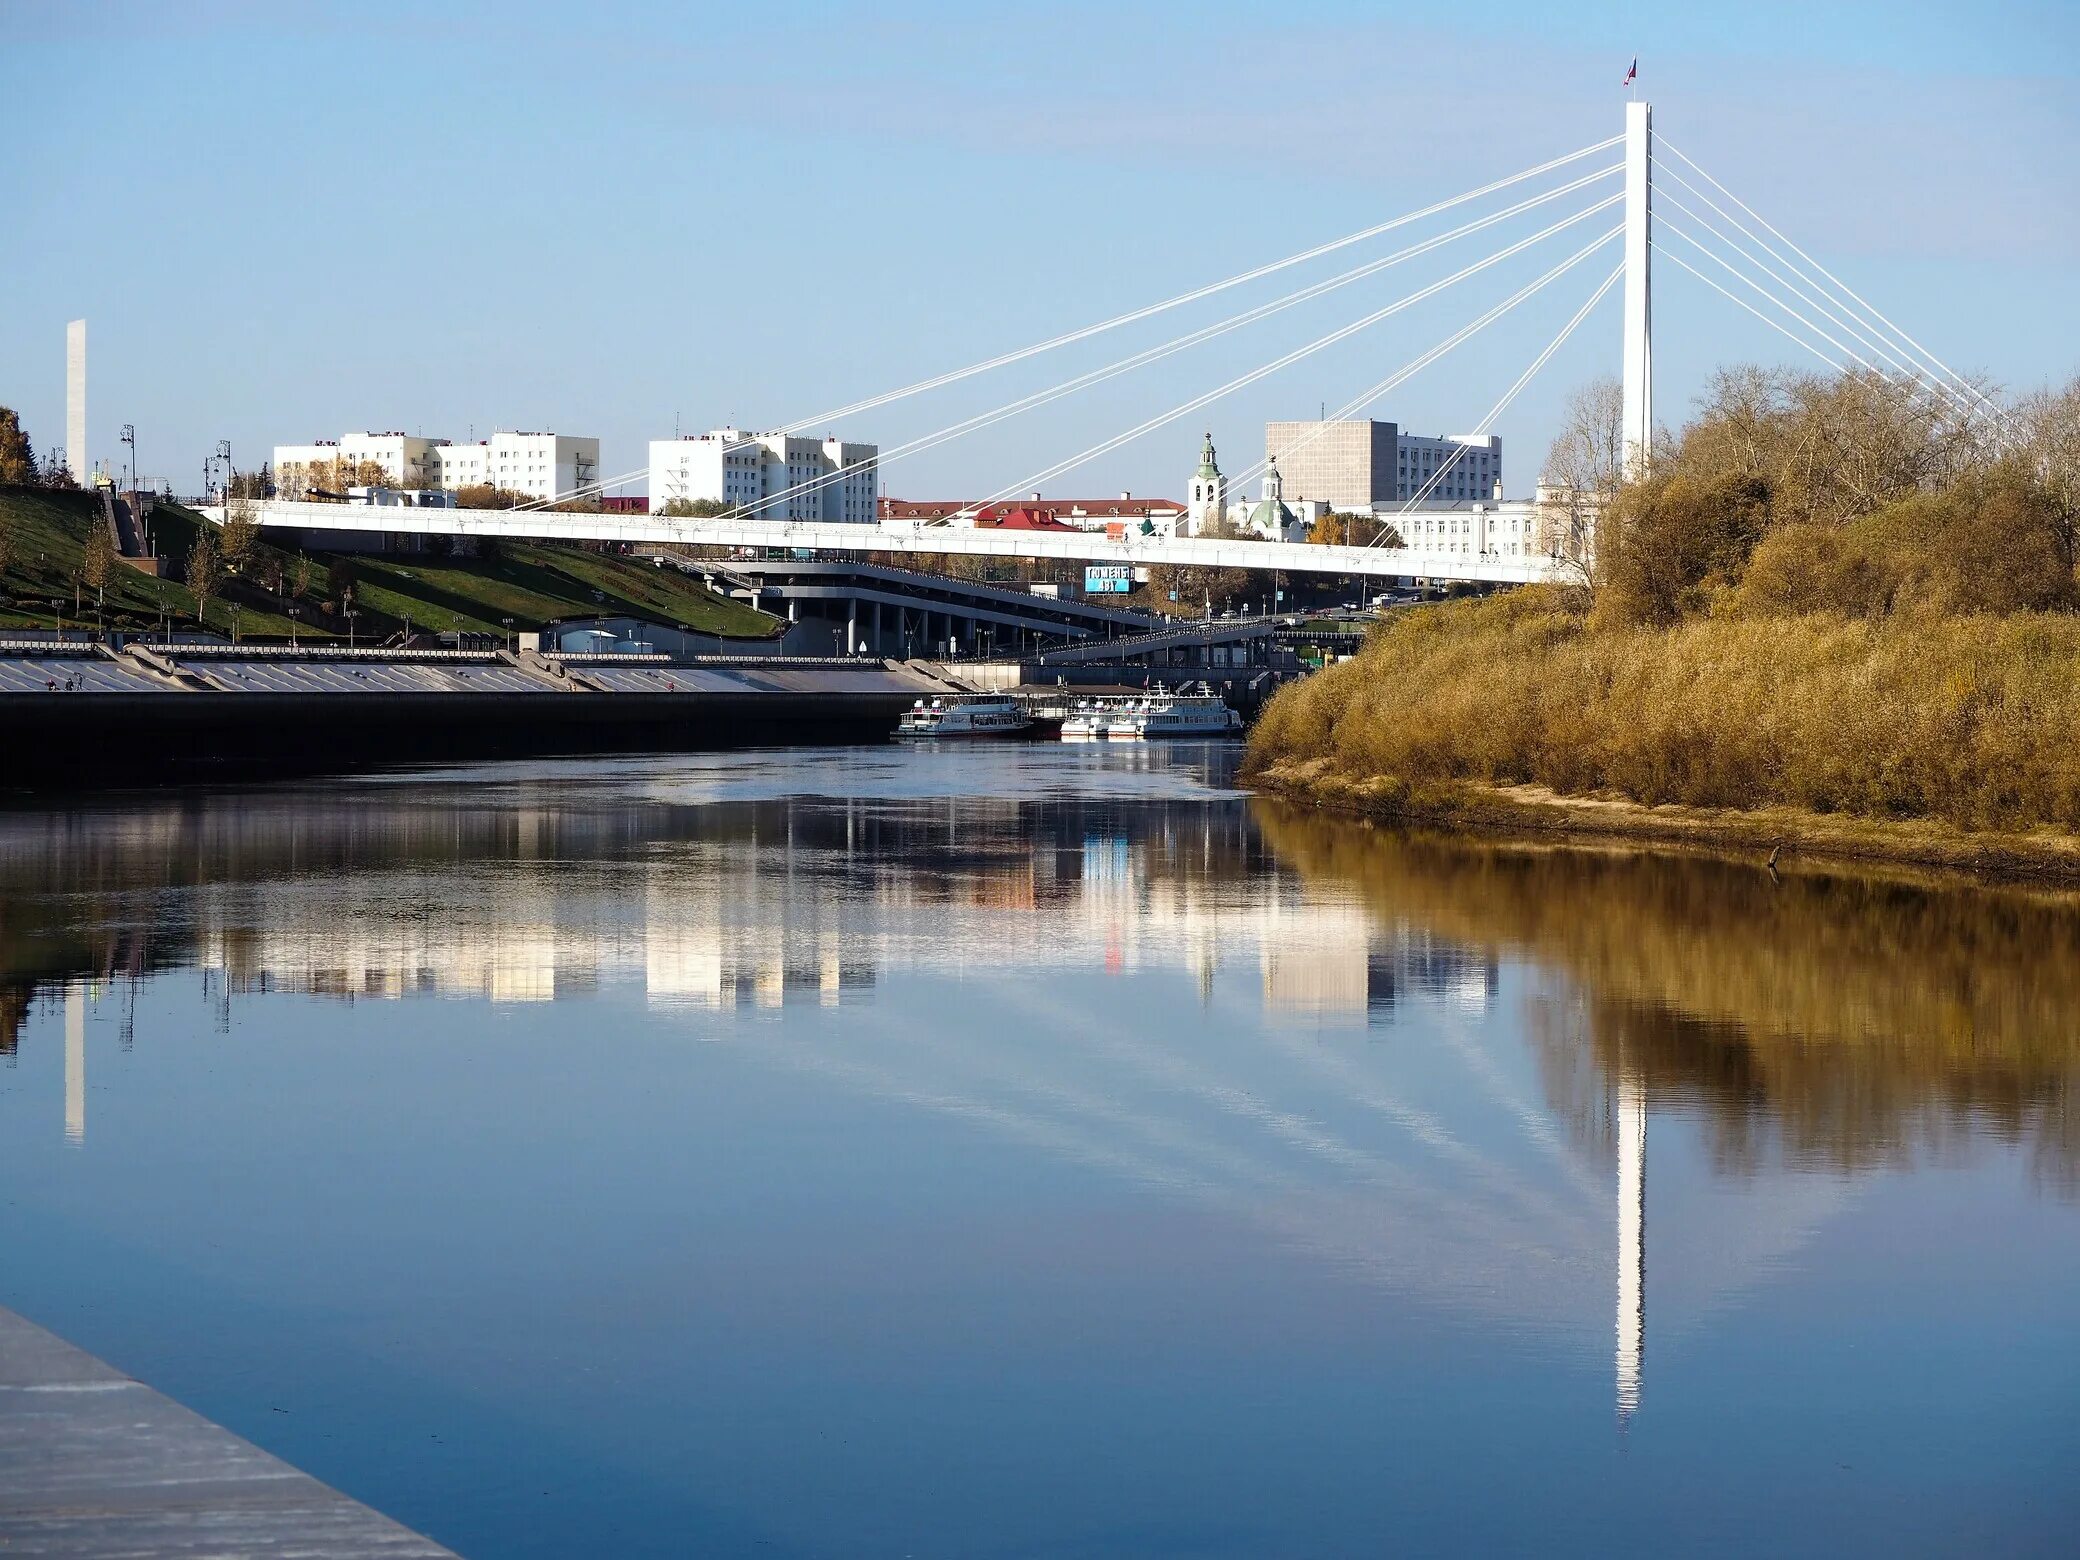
(1148, 355)
(1855, 327)
(1364, 399)
(1945, 403)
(1197, 293)
(1166, 349)
(1289, 358)
(1842, 287)
(1902, 370)
(1509, 395)
(1671, 255)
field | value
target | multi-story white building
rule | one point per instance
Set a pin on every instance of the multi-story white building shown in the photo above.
(541, 465)
(404, 459)
(1554, 525)
(768, 476)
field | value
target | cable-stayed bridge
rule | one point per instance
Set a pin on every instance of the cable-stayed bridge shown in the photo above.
(1646, 199)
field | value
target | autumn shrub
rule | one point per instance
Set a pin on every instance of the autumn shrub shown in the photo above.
(1967, 719)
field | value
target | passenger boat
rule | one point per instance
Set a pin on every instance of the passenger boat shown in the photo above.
(1093, 720)
(1193, 711)
(965, 715)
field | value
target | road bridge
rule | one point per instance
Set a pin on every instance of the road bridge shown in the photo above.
(903, 612)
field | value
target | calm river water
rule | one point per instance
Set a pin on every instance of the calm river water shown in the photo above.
(1044, 1151)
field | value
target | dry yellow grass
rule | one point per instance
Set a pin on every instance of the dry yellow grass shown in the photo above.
(1973, 721)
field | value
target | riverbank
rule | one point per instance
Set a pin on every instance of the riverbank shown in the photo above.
(2047, 856)
(515, 585)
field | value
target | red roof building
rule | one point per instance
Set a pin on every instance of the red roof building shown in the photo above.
(1037, 513)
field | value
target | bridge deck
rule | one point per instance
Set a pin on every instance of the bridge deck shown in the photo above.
(910, 536)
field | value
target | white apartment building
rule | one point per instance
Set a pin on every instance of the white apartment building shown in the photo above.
(406, 460)
(764, 475)
(1466, 468)
(541, 465)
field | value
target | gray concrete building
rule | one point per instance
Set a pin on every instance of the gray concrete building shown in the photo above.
(1348, 465)
(1356, 464)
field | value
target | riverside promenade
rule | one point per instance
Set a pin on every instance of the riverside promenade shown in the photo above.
(94, 1465)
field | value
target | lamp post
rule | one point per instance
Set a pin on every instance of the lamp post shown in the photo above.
(294, 613)
(351, 615)
(509, 634)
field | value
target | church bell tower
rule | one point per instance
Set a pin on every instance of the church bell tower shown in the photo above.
(1209, 498)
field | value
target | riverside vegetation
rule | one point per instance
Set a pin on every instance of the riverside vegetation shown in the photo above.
(1833, 600)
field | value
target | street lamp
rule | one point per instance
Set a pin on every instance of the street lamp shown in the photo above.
(294, 614)
(351, 615)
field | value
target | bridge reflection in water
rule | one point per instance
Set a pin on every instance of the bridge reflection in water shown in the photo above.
(1823, 1023)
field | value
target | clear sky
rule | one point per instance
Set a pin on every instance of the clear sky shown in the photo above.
(285, 221)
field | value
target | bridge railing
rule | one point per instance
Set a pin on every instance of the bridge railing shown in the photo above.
(916, 536)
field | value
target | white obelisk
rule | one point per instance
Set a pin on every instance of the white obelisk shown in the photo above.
(76, 402)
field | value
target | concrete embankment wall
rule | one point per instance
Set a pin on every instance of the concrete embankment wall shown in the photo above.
(111, 726)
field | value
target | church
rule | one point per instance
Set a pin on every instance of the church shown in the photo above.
(1271, 518)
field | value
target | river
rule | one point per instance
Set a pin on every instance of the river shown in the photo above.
(1044, 1150)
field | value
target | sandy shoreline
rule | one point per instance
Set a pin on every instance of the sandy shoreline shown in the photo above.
(2047, 856)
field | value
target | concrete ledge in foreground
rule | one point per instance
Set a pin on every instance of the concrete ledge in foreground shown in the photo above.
(93, 1464)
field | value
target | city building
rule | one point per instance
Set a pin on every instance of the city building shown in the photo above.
(1353, 464)
(1552, 525)
(1347, 464)
(1037, 513)
(355, 460)
(539, 465)
(768, 476)
(1209, 500)
(1461, 468)
(1269, 517)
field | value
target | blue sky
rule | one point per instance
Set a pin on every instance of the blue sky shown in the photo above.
(286, 221)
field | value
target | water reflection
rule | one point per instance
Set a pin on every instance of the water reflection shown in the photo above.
(715, 904)
(1424, 1071)
(1835, 1019)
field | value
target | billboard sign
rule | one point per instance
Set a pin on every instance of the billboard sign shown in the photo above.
(1108, 579)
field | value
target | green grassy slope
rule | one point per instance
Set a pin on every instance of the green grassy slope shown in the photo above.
(530, 583)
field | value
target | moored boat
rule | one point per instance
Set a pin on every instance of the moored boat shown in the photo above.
(964, 715)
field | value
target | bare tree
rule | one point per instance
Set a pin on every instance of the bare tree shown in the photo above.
(205, 574)
(1584, 469)
(2047, 425)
